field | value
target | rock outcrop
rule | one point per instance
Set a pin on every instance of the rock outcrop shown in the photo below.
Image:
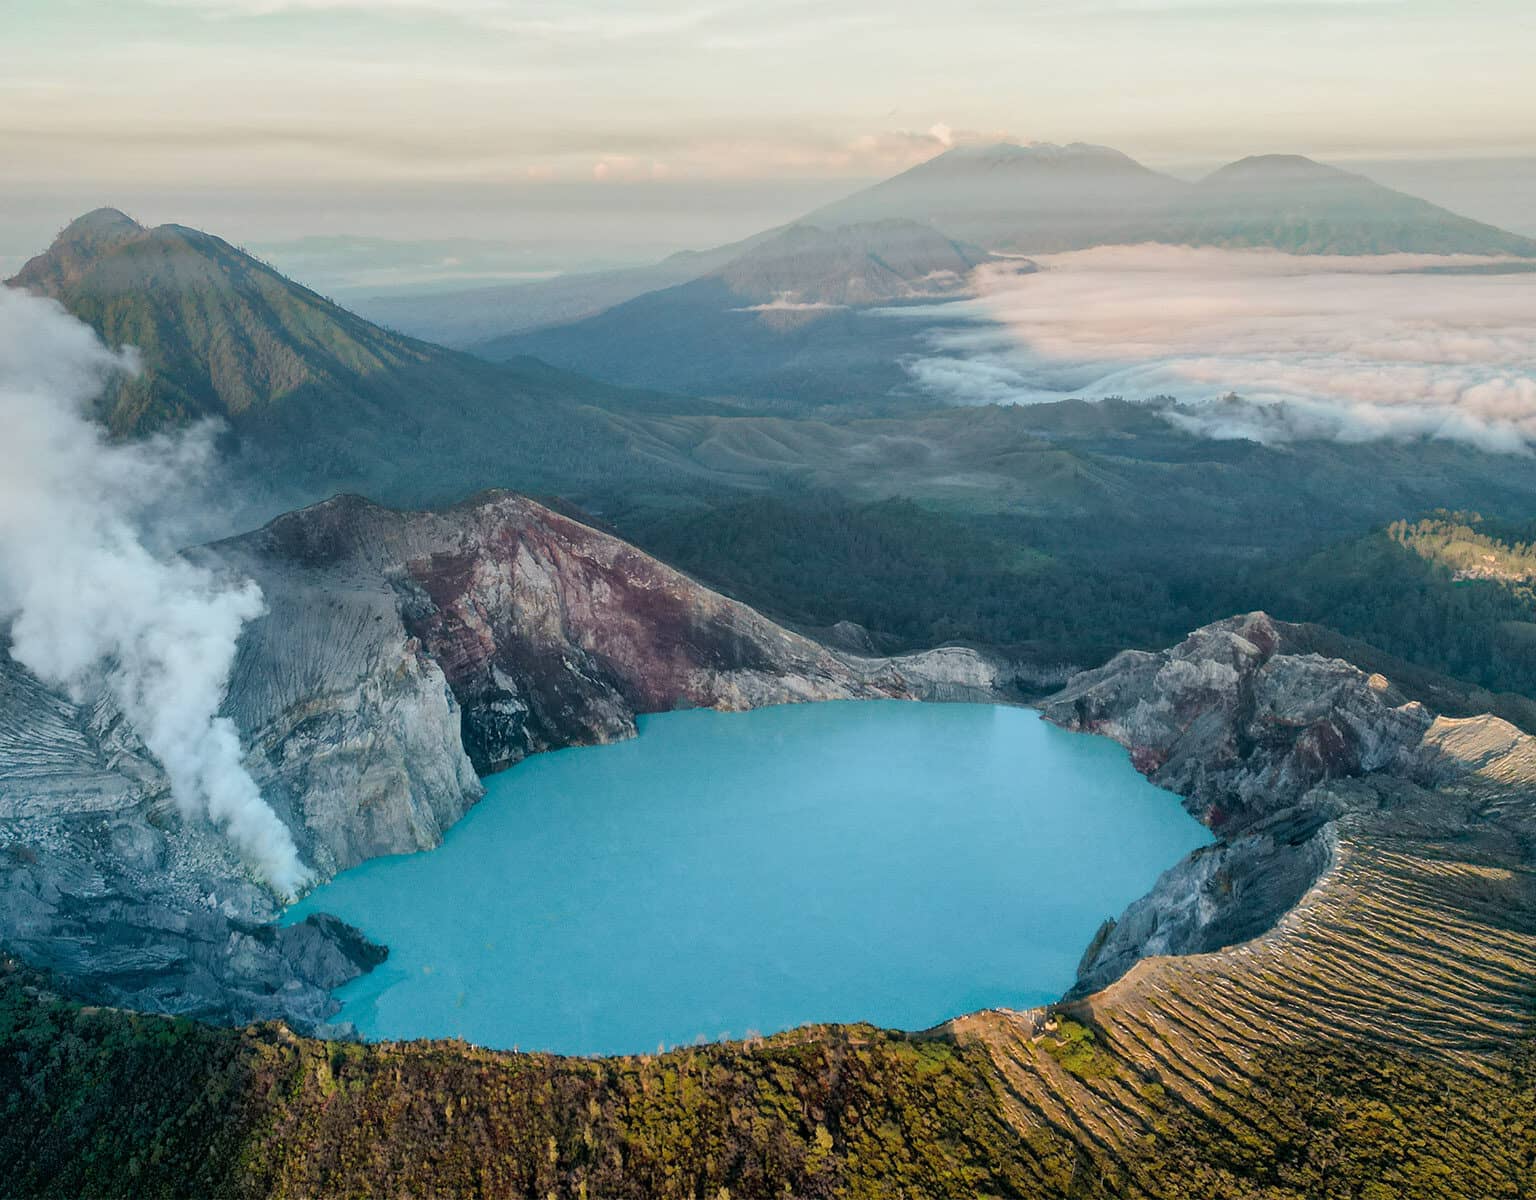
(401, 655)
(1270, 745)
(103, 882)
(1239, 727)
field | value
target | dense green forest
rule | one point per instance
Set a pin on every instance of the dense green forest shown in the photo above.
(915, 577)
(1450, 592)
(1404, 589)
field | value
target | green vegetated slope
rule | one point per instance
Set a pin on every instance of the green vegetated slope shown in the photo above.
(1475, 548)
(1439, 592)
(315, 399)
(1111, 466)
(219, 334)
(916, 577)
(105, 1103)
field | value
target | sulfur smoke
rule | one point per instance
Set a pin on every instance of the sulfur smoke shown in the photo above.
(90, 603)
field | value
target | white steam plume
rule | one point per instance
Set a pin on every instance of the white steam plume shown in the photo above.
(87, 598)
(1386, 346)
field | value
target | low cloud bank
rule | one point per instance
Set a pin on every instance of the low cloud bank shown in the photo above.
(1254, 344)
(89, 603)
(790, 305)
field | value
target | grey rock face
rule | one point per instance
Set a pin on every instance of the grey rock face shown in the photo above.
(1219, 895)
(103, 883)
(1238, 727)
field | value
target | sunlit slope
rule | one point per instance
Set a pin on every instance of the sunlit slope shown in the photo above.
(219, 333)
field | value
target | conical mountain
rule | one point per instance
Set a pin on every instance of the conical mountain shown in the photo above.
(219, 333)
(1291, 203)
(1027, 199)
(1042, 198)
(317, 399)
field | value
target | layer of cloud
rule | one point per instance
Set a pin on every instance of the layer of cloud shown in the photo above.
(788, 304)
(90, 604)
(1390, 346)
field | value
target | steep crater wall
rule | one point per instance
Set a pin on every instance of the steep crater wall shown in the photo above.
(404, 654)
(401, 655)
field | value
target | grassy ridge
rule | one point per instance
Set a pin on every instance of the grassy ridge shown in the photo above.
(105, 1103)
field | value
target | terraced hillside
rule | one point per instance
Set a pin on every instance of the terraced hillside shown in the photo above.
(1414, 955)
(1373, 1041)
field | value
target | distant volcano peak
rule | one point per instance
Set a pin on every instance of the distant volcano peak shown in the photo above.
(1033, 154)
(78, 245)
(1277, 167)
(101, 221)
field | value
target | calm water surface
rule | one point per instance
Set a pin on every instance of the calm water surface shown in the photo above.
(727, 873)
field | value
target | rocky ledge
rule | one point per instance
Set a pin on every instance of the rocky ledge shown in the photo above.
(401, 656)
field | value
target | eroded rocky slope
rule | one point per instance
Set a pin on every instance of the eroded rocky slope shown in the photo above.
(1247, 730)
(1375, 887)
(400, 654)
(1276, 748)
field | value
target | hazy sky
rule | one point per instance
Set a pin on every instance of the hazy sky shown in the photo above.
(297, 100)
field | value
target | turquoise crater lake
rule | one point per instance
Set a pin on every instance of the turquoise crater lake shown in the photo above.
(730, 873)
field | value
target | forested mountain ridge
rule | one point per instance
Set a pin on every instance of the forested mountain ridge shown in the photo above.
(218, 333)
(314, 399)
(875, 262)
(783, 321)
(912, 576)
(1290, 203)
